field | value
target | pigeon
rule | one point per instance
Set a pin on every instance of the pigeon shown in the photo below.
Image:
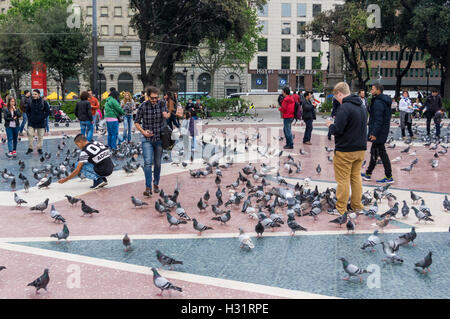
(72, 200)
(318, 169)
(126, 241)
(383, 222)
(352, 270)
(19, 201)
(421, 215)
(41, 282)
(245, 240)
(223, 218)
(88, 210)
(391, 212)
(45, 182)
(2, 267)
(390, 254)
(415, 198)
(63, 234)
(405, 209)
(162, 283)
(425, 263)
(26, 186)
(137, 202)
(434, 163)
(200, 227)
(181, 212)
(294, 226)
(201, 206)
(408, 237)
(406, 150)
(56, 215)
(350, 226)
(206, 196)
(340, 220)
(42, 206)
(174, 221)
(372, 241)
(446, 203)
(166, 260)
(408, 168)
(259, 229)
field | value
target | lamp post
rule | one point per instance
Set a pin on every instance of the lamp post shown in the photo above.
(57, 92)
(185, 71)
(94, 47)
(193, 77)
(100, 70)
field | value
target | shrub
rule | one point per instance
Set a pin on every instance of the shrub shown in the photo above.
(326, 106)
(226, 105)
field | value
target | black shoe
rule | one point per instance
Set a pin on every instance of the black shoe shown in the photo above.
(99, 182)
(40, 152)
(155, 188)
(148, 192)
(287, 147)
(105, 180)
(30, 150)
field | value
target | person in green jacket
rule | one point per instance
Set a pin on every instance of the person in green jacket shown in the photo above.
(112, 111)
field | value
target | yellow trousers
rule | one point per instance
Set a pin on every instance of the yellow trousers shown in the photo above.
(347, 172)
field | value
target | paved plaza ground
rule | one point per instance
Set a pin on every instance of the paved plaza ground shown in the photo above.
(93, 263)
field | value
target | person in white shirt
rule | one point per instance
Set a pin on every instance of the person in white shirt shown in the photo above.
(417, 108)
(406, 110)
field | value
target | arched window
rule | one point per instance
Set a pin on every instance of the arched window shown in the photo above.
(181, 82)
(204, 83)
(125, 83)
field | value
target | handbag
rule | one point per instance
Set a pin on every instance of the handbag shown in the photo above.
(179, 112)
(166, 135)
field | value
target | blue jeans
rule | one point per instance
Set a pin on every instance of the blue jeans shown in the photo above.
(24, 121)
(113, 132)
(96, 119)
(89, 127)
(47, 128)
(152, 152)
(127, 124)
(287, 123)
(88, 171)
(12, 133)
(173, 120)
(308, 130)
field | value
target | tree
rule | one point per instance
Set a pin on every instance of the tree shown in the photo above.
(62, 48)
(14, 53)
(176, 26)
(346, 27)
(230, 53)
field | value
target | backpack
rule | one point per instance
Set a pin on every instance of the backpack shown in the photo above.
(297, 110)
(280, 99)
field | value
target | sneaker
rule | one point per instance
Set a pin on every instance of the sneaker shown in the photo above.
(148, 192)
(9, 155)
(156, 188)
(334, 212)
(99, 182)
(366, 177)
(386, 180)
(40, 152)
(14, 154)
(105, 180)
(30, 150)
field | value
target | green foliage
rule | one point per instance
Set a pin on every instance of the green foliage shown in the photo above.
(326, 106)
(226, 105)
(68, 107)
(446, 105)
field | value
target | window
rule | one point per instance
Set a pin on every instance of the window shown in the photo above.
(282, 81)
(262, 44)
(103, 11)
(301, 27)
(315, 63)
(125, 51)
(421, 73)
(104, 30)
(391, 73)
(262, 62)
(300, 63)
(263, 24)
(285, 9)
(118, 30)
(285, 45)
(130, 12)
(285, 62)
(286, 28)
(117, 11)
(264, 11)
(396, 55)
(100, 51)
(316, 45)
(317, 8)
(259, 81)
(300, 45)
(131, 31)
(416, 73)
(301, 10)
(89, 11)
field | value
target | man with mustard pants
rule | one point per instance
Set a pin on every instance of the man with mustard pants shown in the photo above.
(350, 136)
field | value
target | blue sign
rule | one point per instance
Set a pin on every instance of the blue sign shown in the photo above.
(282, 81)
(259, 81)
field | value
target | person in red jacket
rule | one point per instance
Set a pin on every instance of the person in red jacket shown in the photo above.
(287, 113)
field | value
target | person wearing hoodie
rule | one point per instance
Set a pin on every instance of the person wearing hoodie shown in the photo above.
(112, 112)
(308, 115)
(37, 113)
(432, 105)
(350, 131)
(379, 125)
(406, 111)
(287, 113)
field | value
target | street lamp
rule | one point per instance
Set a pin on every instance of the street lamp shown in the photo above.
(185, 71)
(192, 76)
(100, 70)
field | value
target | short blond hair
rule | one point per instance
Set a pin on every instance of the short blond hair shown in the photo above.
(341, 87)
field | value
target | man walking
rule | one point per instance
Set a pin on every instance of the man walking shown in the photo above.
(362, 96)
(150, 121)
(24, 104)
(433, 104)
(37, 113)
(350, 131)
(308, 115)
(287, 113)
(379, 125)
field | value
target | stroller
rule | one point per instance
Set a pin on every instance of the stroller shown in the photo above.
(60, 116)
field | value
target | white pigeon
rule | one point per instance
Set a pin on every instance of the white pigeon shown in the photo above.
(397, 159)
(245, 240)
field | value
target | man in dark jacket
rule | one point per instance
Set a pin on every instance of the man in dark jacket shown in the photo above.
(432, 104)
(336, 105)
(379, 125)
(24, 104)
(37, 113)
(308, 115)
(350, 131)
(84, 115)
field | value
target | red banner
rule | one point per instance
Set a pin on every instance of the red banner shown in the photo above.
(39, 78)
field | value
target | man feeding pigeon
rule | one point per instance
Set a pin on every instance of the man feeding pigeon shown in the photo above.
(94, 162)
(350, 136)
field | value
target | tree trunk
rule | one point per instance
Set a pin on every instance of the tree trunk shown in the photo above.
(399, 75)
(445, 81)
(158, 66)
(143, 62)
(212, 93)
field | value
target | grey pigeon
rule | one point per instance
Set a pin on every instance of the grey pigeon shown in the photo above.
(181, 212)
(405, 209)
(137, 202)
(45, 183)
(408, 237)
(162, 283)
(259, 229)
(19, 201)
(72, 200)
(294, 226)
(87, 209)
(41, 282)
(126, 241)
(352, 270)
(166, 260)
(372, 241)
(425, 263)
(55, 215)
(63, 234)
(200, 227)
(223, 218)
(421, 215)
(350, 226)
(174, 221)
(340, 220)
(390, 254)
(41, 206)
